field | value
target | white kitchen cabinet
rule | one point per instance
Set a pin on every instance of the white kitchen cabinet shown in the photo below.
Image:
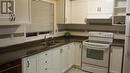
(29, 64)
(60, 11)
(67, 11)
(56, 60)
(44, 62)
(67, 56)
(77, 53)
(7, 12)
(99, 9)
(64, 58)
(128, 6)
(18, 13)
(119, 12)
(71, 54)
(78, 11)
(116, 59)
(22, 12)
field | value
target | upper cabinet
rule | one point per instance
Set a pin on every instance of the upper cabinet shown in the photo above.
(60, 11)
(128, 8)
(68, 11)
(22, 12)
(119, 14)
(77, 11)
(14, 12)
(99, 9)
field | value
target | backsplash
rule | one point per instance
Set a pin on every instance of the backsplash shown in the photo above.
(10, 35)
(85, 27)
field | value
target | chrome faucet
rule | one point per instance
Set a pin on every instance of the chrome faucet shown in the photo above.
(45, 40)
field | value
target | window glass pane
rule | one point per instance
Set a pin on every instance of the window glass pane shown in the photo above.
(95, 54)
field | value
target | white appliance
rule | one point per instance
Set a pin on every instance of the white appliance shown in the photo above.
(96, 52)
(126, 68)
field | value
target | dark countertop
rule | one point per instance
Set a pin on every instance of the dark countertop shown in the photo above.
(19, 51)
(118, 42)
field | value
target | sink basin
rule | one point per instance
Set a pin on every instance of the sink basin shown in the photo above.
(51, 44)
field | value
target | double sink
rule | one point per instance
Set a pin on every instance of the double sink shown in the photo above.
(44, 46)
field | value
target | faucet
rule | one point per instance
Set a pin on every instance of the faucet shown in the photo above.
(52, 39)
(45, 39)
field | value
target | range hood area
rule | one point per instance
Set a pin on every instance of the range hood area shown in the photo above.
(99, 21)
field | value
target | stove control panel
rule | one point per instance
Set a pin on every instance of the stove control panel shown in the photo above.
(101, 34)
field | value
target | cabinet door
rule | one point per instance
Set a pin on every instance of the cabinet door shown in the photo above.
(29, 65)
(67, 11)
(19, 13)
(93, 9)
(128, 6)
(7, 11)
(77, 54)
(64, 58)
(71, 54)
(60, 11)
(116, 59)
(78, 11)
(100, 9)
(56, 61)
(107, 8)
(22, 12)
(93, 6)
(44, 62)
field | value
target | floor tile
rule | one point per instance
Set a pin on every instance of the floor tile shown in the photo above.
(73, 70)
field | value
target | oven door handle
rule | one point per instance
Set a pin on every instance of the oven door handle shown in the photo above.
(94, 48)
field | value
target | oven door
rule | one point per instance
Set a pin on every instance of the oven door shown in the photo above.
(95, 55)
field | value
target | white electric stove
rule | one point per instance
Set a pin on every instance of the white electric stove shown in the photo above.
(96, 52)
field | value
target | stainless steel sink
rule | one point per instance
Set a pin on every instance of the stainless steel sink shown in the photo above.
(51, 44)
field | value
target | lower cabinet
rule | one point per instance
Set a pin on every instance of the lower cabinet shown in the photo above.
(29, 64)
(116, 59)
(71, 54)
(64, 58)
(77, 53)
(57, 60)
(67, 56)
(60, 59)
(44, 62)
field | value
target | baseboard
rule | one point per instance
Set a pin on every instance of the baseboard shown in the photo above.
(79, 67)
(74, 66)
(69, 69)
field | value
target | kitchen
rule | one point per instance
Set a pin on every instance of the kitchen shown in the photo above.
(64, 36)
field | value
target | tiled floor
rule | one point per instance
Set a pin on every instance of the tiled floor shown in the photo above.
(73, 70)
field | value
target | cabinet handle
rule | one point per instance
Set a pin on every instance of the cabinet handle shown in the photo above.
(28, 64)
(128, 54)
(81, 46)
(111, 50)
(46, 54)
(45, 68)
(14, 17)
(100, 9)
(45, 61)
(61, 50)
(11, 17)
(65, 19)
(97, 9)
